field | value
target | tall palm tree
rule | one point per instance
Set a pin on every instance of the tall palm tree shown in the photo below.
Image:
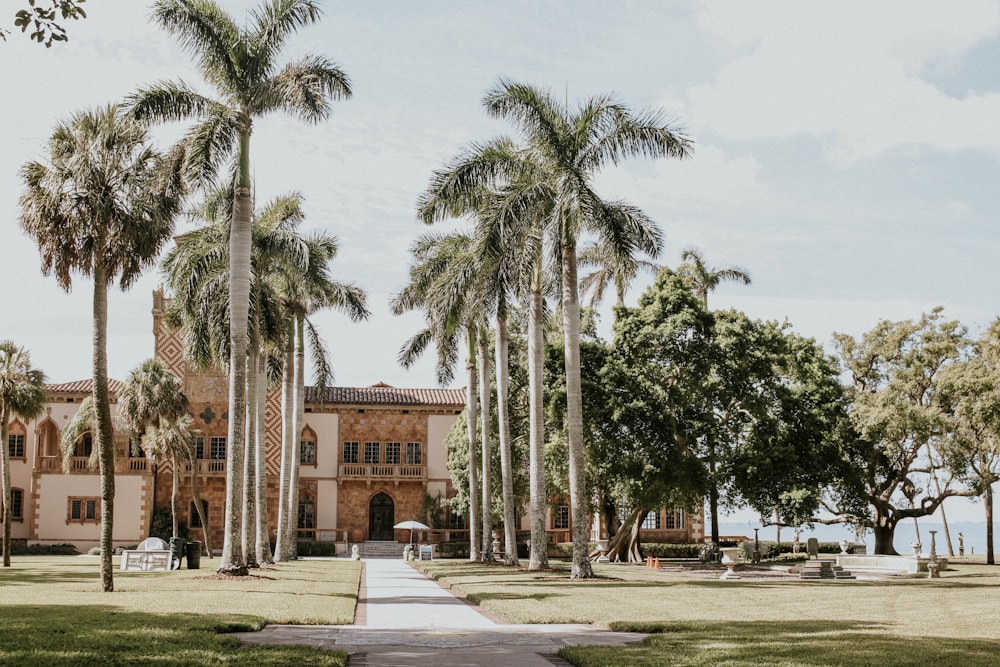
(442, 284)
(241, 63)
(102, 206)
(22, 393)
(703, 278)
(609, 267)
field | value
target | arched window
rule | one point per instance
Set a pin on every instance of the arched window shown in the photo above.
(307, 447)
(15, 440)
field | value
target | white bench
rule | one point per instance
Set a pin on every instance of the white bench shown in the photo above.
(151, 555)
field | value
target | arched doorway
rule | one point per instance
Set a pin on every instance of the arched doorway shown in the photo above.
(381, 517)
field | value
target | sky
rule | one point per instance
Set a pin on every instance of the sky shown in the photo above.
(846, 153)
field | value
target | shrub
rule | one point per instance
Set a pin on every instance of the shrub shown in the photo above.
(22, 548)
(664, 550)
(317, 548)
(453, 549)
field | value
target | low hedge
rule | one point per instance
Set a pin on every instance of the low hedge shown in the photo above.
(22, 548)
(305, 548)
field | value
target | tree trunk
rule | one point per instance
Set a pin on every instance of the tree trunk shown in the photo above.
(104, 432)
(250, 460)
(8, 493)
(291, 539)
(713, 495)
(579, 505)
(988, 507)
(174, 489)
(884, 528)
(198, 507)
(484, 413)
(538, 556)
(471, 399)
(506, 467)
(233, 559)
(287, 425)
(264, 556)
(624, 546)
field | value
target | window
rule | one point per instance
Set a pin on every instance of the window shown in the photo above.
(85, 510)
(560, 517)
(15, 445)
(350, 452)
(372, 452)
(84, 446)
(652, 521)
(199, 447)
(675, 519)
(392, 452)
(307, 518)
(217, 448)
(16, 505)
(195, 520)
(414, 454)
(307, 452)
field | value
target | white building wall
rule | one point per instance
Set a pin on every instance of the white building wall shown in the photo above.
(438, 427)
(327, 428)
(52, 511)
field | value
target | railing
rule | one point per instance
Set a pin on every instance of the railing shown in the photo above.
(373, 471)
(138, 465)
(208, 466)
(55, 463)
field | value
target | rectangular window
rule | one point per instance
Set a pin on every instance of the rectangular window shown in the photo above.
(560, 517)
(350, 452)
(16, 505)
(372, 452)
(307, 452)
(195, 520)
(652, 521)
(675, 519)
(85, 510)
(15, 445)
(199, 447)
(393, 452)
(217, 448)
(414, 454)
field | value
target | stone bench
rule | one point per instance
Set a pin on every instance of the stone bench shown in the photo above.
(152, 555)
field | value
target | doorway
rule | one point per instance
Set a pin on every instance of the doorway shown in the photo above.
(381, 517)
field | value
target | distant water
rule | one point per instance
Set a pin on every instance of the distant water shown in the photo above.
(973, 532)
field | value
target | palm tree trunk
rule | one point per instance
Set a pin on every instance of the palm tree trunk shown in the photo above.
(8, 494)
(104, 435)
(250, 459)
(503, 413)
(264, 556)
(233, 559)
(174, 490)
(287, 424)
(198, 507)
(538, 554)
(581, 568)
(300, 418)
(484, 413)
(470, 414)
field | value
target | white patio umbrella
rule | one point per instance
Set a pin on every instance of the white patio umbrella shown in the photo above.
(412, 525)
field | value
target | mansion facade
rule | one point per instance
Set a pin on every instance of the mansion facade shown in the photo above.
(369, 457)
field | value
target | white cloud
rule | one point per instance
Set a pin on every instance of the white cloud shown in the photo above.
(848, 73)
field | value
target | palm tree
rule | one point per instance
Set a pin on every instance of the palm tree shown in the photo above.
(442, 284)
(22, 393)
(609, 267)
(102, 206)
(241, 64)
(704, 279)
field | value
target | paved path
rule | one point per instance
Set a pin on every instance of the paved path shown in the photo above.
(406, 619)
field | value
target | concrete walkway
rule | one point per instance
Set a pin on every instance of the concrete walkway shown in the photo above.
(405, 619)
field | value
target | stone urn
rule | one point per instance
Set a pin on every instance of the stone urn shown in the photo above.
(357, 535)
(729, 557)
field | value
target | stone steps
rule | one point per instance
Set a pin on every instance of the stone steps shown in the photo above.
(384, 550)
(823, 569)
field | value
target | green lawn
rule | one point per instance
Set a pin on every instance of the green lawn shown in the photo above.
(705, 621)
(52, 612)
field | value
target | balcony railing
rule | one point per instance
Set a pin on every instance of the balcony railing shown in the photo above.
(138, 465)
(208, 466)
(382, 471)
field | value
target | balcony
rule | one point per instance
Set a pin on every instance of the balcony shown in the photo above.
(382, 472)
(208, 466)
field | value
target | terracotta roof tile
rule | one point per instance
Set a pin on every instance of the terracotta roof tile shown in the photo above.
(383, 394)
(82, 387)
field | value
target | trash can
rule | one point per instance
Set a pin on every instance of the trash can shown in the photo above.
(194, 555)
(176, 547)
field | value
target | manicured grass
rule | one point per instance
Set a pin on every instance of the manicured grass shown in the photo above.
(52, 612)
(705, 621)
